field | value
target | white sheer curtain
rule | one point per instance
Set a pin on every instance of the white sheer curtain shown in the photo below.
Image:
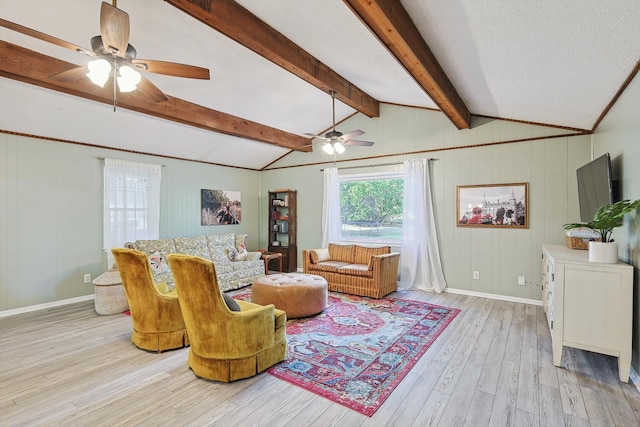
(131, 203)
(420, 265)
(330, 207)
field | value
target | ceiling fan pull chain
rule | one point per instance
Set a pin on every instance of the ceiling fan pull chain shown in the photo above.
(115, 79)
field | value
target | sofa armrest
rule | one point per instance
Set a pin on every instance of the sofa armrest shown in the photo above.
(253, 256)
(253, 327)
(306, 259)
(385, 267)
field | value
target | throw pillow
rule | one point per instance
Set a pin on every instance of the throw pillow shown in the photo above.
(231, 303)
(234, 255)
(241, 242)
(158, 263)
(320, 255)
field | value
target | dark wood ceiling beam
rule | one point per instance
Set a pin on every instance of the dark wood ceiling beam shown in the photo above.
(234, 21)
(35, 68)
(391, 23)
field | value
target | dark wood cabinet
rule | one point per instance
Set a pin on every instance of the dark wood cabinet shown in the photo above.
(283, 227)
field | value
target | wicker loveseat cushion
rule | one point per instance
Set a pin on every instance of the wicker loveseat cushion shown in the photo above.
(343, 253)
(340, 256)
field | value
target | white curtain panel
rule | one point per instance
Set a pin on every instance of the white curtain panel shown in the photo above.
(330, 207)
(420, 265)
(131, 203)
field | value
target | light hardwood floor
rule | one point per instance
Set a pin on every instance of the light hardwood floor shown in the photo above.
(69, 366)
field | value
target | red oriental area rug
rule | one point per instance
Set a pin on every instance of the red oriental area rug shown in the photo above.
(359, 349)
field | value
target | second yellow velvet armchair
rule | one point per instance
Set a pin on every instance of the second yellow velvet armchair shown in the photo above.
(225, 345)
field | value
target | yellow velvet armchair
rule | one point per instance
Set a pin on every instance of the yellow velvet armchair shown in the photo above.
(157, 318)
(225, 345)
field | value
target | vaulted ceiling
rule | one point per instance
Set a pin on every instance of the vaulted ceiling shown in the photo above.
(274, 62)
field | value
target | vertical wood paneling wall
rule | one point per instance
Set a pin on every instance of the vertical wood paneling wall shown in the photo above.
(619, 135)
(51, 214)
(500, 255)
(51, 200)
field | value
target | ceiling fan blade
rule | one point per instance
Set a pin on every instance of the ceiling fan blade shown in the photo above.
(313, 135)
(359, 143)
(42, 36)
(172, 69)
(114, 29)
(71, 75)
(150, 90)
(351, 134)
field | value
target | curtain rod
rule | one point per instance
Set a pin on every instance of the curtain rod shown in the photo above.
(102, 158)
(376, 165)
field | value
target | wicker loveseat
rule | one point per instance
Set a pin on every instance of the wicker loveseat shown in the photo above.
(355, 269)
(217, 248)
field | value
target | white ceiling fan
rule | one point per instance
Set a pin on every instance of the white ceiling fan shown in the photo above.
(334, 141)
(114, 63)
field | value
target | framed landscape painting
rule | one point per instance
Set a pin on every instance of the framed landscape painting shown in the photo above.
(493, 205)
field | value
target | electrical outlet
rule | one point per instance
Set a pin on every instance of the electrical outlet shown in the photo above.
(521, 281)
(87, 278)
(476, 275)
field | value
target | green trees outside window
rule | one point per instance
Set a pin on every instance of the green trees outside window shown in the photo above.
(371, 209)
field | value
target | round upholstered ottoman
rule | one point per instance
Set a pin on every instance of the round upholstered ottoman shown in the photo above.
(298, 294)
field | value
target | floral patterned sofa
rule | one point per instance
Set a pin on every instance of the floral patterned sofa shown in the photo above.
(235, 266)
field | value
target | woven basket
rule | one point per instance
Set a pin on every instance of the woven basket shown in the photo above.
(579, 242)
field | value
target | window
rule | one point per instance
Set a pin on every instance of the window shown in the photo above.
(131, 203)
(371, 208)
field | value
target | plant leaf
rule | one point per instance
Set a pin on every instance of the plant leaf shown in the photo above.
(608, 217)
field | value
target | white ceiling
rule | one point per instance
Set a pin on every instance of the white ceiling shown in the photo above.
(545, 61)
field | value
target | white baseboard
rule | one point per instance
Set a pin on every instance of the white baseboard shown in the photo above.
(37, 307)
(494, 296)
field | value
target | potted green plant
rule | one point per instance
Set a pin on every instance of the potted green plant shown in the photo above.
(606, 218)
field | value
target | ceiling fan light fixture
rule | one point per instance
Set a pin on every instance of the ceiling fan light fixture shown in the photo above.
(328, 148)
(128, 79)
(99, 71)
(338, 147)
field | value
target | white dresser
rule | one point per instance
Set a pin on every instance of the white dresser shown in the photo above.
(588, 305)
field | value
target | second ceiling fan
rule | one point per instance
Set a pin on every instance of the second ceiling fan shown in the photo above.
(336, 140)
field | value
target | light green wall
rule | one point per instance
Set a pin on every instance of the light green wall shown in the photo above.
(619, 135)
(51, 214)
(51, 200)
(548, 165)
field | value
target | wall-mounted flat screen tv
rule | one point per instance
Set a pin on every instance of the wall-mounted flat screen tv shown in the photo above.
(595, 186)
